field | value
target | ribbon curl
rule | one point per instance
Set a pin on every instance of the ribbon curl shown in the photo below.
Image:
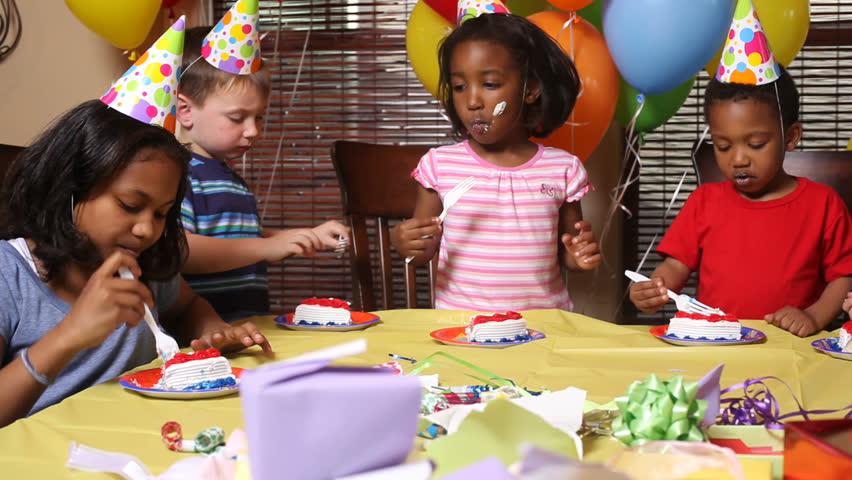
(757, 405)
(659, 410)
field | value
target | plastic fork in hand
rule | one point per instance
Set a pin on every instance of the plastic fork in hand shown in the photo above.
(451, 198)
(684, 303)
(167, 347)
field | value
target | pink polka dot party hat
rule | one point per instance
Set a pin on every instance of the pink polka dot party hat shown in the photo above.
(747, 57)
(148, 89)
(234, 43)
(473, 8)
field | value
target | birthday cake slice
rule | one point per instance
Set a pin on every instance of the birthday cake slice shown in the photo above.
(697, 326)
(499, 327)
(323, 311)
(199, 370)
(844, 339)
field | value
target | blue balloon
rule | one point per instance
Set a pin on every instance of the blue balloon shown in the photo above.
(658, 44)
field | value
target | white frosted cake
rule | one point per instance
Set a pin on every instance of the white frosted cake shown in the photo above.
(844, 338)
(696, 326)
(323, 311)
(198, 370)
(499, 327)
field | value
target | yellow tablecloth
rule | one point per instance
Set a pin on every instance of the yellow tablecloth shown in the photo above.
(579, 351)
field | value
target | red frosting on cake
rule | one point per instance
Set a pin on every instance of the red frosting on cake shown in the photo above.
(710, 318)
(497, 317)
(181, 357)
(327, 302)
(848, 327)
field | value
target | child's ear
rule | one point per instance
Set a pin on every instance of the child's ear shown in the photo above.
(792, 135)
(532, 93)
(184, 111)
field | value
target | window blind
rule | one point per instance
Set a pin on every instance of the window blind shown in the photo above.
(340, 72)
(822, 72)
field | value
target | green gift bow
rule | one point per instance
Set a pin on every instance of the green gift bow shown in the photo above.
(659, 410)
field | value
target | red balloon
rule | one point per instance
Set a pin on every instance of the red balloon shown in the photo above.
(569, 5)
(596, 105)
(446, 8)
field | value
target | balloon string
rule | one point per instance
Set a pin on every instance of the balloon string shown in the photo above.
(277, 159)
(630, 151)
(665, 219)
(569, 25)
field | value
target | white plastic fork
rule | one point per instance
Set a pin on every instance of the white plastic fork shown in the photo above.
(684, 302)
(167, 346)
(451, 198)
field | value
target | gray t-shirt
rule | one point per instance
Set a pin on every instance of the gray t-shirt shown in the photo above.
(29, 309)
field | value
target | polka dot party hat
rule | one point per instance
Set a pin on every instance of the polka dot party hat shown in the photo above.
(473, 8)
(234, 43)
(746, 57)
(148, 89)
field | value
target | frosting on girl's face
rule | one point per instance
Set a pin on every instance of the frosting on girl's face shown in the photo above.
(498, 109)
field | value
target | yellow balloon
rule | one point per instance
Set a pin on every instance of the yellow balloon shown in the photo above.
(786, 23)
(123, 23)
(424, 34)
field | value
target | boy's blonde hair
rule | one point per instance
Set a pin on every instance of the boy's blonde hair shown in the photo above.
(199, 79)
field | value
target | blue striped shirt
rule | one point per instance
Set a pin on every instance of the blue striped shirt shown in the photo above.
(219, 204)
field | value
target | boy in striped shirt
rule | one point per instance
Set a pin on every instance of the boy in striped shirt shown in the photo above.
(220, 109)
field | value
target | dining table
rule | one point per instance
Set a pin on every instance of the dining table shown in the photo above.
(600, 357)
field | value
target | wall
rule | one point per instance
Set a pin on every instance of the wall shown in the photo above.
(58, 64)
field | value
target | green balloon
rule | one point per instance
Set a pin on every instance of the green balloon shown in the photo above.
(593, 13)
(526, 8)
(658, 109)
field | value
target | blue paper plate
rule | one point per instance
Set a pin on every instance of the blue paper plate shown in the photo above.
(749, 335)
(830, 347)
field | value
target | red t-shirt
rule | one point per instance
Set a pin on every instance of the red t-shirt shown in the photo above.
(756, 257)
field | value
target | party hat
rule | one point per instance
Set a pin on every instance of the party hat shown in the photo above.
(473, 8)
(147, 90)
(234, 44)
(746, 57)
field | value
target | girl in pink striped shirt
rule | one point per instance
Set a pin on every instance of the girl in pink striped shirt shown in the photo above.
(502, 80)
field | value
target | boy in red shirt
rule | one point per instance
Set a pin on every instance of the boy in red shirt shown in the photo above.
(767, 245)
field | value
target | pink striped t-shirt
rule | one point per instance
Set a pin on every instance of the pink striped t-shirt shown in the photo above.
(499, 247)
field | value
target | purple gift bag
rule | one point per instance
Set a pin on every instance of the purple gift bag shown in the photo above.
(308, 420)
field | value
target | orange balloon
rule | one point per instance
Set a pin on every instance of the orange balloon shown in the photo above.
(596, 104)
(569, 5)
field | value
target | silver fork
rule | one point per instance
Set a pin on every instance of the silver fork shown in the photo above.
(167, 347)
(684, 302)
(451, 198)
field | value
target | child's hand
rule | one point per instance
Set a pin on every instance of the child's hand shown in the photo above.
(329, 231)
(231, 338)
(796, 321)
(295, 241)
(414, 236)
(847, 304)
(583, 252)
(106, 302)
(649, 296)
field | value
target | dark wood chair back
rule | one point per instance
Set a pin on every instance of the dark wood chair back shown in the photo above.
(833, 168)
(375, 183)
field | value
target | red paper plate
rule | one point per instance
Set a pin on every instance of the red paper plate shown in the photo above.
(360, 320)
(143, 383)
(456, 336)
